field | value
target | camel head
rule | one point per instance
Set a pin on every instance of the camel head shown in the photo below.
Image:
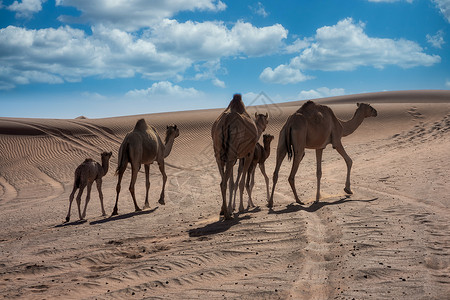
(368, 110)
(172, 131)
(261, 121)
(106, 155)
(267, 139)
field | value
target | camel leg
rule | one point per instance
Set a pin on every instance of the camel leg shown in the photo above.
(119, 180)
(241, 166)
(247, 162)
(163, 173)
(100, 194)
(223, 188)
(340, 149)
(298, 156)
(266, 178)
(250, 183)
(281, 154)
(80, 192)
(134, 172)
(232, 190)
(318, 172)
(70, 202)
(147, 185)
(88, 198)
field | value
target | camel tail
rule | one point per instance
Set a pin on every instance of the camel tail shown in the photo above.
(122, 161)
(77, 181)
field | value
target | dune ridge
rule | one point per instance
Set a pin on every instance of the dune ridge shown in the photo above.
(390, 240)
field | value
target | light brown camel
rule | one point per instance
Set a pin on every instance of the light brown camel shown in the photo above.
(143, 146)
(315, 126)
(234, 136)
(85, 175)
(259, 158)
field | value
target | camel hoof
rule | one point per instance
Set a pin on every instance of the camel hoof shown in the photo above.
(137, 209)
(146, 206)
(114, 213)
(104, 214)
(348, 191)
(300, 202)
(270, 204)
(67, 219)
(161, 201)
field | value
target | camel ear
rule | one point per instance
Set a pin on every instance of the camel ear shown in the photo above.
(167, 127)
(267, 116)
(175, 126)
(256, 115)
(110, 153)
(358, 104)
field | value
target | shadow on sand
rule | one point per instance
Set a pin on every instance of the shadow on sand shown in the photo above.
(294, 207)
(73, 223)
(221, 225)
(124, 216)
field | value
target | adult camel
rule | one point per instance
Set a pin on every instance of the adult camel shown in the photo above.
(234, 136)
(143, 146)
(315, 126)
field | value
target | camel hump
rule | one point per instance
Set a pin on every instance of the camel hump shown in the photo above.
(308, 106)
(236, 104)
(88, 160)
(141, 125)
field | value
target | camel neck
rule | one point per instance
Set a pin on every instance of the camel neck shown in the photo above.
(266, 150)
(105, 165)
(168, 146)
(351, 125)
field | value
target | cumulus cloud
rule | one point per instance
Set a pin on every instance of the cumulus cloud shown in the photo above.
(131, 15)
(345, 47)
(67, 54)
(282, 74)
(212, 40)
(321, 93)
(436, 40)
(26, 8)
(164, 89)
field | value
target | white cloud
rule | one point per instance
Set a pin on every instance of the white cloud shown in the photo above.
(282, 74)
(259, 9)
(219, 83)
(321, 93)
(164, 90)
(436, 40)
(212, 40)
(447, 83)
(131, 15)
(345, 47)
(26, 8)
(67, 54)
(297, 45)
(444, 8)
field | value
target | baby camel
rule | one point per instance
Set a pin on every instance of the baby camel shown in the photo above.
(85, 175)
(259, 158)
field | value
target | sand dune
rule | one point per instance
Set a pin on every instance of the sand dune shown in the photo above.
(389, 240)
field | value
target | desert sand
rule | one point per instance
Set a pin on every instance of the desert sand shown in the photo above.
(389, 240)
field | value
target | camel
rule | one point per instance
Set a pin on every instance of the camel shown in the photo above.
(234, 136)
(85, 175)
(315, 126)
(259, 158)
(143, 146)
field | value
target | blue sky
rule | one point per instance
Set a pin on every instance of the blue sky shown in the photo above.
(104, 58)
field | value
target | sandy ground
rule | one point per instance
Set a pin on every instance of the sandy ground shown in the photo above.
(389, 240)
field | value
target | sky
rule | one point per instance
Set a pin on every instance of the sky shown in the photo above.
(106, 58)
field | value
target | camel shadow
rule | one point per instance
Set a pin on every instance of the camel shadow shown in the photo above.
(124, 216)
(73, 223)
(217, 227)
(294, 207)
